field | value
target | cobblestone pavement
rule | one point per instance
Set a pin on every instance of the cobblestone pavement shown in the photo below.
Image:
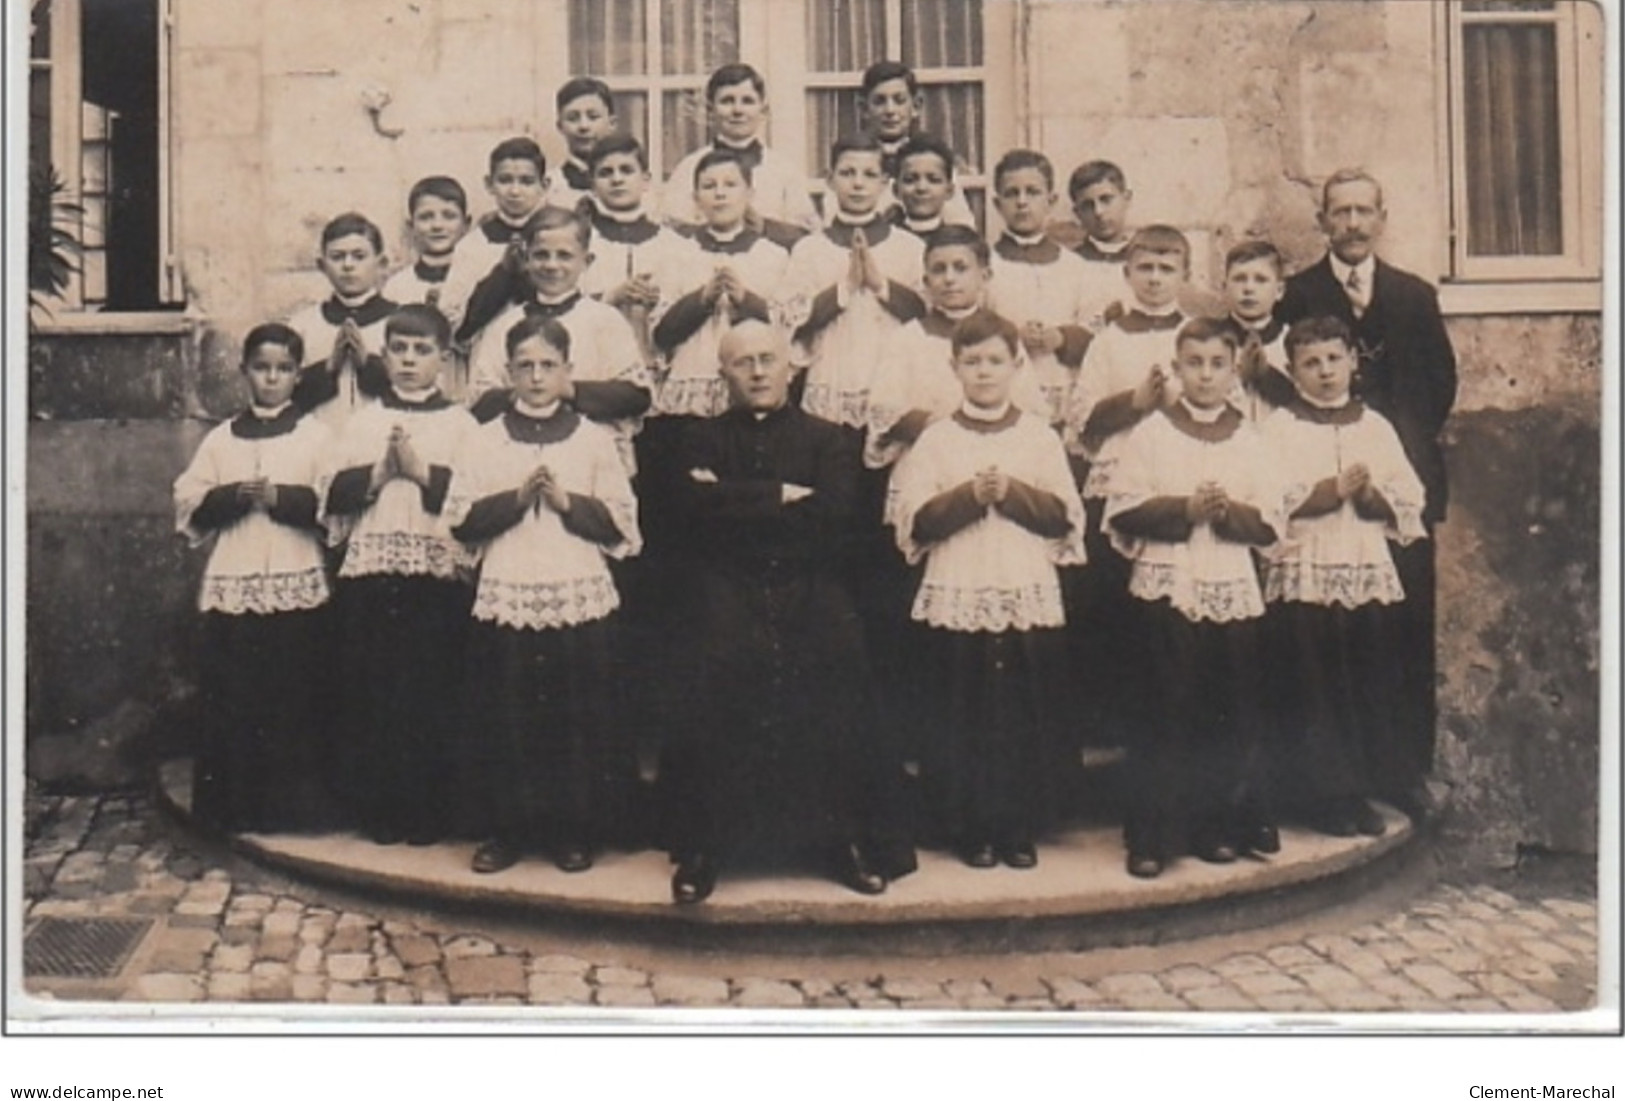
(230, 932)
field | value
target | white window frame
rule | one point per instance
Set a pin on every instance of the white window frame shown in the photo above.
(772, 39)
(66, 63)
(1578, 30)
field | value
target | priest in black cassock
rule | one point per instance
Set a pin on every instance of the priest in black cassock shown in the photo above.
(1406, 372)
(775, 750)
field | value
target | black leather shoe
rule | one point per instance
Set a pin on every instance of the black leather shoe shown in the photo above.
(422, 838)
(494, 856)
(1144, 865)
(980, 856)
(694, 880)
(1022, 854)
(854, 872)
(1215, 852)
(1336, 821)
(1368, 819)
(1263, 838)
(385, 835)
(572, 858)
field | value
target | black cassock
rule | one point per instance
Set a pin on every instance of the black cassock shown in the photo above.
(774, 743)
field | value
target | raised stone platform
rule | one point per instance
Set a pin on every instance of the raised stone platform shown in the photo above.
(1079, 896)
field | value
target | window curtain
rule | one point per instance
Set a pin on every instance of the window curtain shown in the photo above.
(1513, 140)
(847, 36)
(610, 39)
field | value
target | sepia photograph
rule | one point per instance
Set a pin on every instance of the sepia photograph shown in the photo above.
(892, 515)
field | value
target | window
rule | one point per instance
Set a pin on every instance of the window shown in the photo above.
(1525, 101)
(98, 74)
(657, 54)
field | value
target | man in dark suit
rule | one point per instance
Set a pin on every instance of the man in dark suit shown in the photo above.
(1407, 372)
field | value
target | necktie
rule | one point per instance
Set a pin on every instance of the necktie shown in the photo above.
(1357, 292)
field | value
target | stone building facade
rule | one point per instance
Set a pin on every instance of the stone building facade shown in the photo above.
(1226, 115)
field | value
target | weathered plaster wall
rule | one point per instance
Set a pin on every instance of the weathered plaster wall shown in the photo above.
(1225, 116)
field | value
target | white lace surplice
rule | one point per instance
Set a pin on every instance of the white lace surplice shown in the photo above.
(1340, 558)
(841, 359)
(395, 535)
(1204, 577)
(691, 385)
(994, 575)
(538, 574)
(257, 565)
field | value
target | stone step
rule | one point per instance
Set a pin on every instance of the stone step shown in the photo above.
(1079, 895)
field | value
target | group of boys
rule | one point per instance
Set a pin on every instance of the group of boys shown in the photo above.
(648, 281)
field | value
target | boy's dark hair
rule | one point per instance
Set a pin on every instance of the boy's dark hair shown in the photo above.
(1016, 160)
(519, 149)
(984, 325)
(550, 329)
(275, 332)
(1089, 173)
(441, 187)
(1159, 239)
(557, 217)
(882, 71)
(722, 155)
(576, 87)
(950, 235)
(1255, 249)
(617, 143)
(1209, 328)
(854, 143)
(922, 145)
(726, 76)
(1313, 330)
(419, 319)
(353, 224)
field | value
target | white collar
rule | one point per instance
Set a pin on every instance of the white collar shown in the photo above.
(731, 235)
(268, 412)
(1252, 326)
(626, 217)
(1203, 416)
(1161, 311)
(359, 300)
(723, 143)
(922, 228)
(1367, 269)
(988, 416)
(536, 412)
(560, 300)
(413, 397)
(1338, 404)
(1022, 239)
(960, 314)
(1108, 246)
(846, 219)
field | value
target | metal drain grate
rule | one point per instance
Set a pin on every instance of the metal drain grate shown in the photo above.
(82, 948)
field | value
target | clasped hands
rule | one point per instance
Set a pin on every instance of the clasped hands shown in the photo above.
(400, 460)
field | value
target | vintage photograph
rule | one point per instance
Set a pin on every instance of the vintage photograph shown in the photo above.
(1066, 514)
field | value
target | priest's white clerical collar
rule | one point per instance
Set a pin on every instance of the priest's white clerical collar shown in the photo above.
(846, 219)
(959, 314)
(268, 412)
(350, 302)
(1337, 403)
(536, 412)
(1027, 240)
(1111, 248)
(930, 225)
(977, 413)
(1203, 416)
(722, 237)
(413, 397)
